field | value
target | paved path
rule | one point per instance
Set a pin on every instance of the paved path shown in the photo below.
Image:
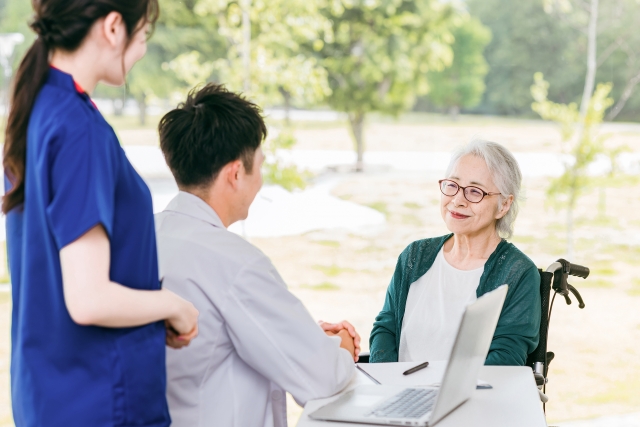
(149, 161)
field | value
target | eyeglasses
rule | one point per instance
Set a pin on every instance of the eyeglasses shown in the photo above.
(472, 194)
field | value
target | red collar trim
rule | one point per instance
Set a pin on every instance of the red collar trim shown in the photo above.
(79, 88)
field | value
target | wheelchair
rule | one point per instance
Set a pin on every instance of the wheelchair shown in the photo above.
(555, 278)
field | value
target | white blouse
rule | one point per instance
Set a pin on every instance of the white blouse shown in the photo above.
(435, 304)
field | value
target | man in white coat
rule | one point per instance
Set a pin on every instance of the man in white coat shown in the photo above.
(256, 340)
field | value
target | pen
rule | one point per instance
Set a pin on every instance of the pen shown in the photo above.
(367, 374)
(416, 368)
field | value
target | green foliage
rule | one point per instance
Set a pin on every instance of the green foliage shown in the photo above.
(278, 71)
(378, 52)
(581, 141)
(550, 36)
(525, 40)
(412, 205)
(566, 115)
(324, 286)
(332, 270)
(14, 18)
(584, 148)
(380, 207)
(462, 83)
(179, 31)
(275, 170)
(329, 243)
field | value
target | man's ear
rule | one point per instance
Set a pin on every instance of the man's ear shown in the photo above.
(232, 172)
(111, 27)
(504, 207)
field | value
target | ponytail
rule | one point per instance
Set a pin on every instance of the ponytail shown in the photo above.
(60, 24)
(29, 79)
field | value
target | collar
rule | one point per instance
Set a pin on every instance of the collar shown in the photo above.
(65, 81)
(193, 206)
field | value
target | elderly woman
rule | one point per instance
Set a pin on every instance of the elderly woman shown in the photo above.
(436, 278)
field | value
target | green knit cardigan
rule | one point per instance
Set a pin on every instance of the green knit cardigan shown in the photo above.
(518, 328)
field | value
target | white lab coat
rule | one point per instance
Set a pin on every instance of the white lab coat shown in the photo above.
(256, 340)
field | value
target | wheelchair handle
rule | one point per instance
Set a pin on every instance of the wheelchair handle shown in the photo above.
(561, 269)
(568, 268)
(578, 270)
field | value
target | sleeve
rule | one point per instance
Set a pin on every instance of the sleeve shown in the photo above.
(274, 333)
(82, 178)
(518, 329)
(383, 339)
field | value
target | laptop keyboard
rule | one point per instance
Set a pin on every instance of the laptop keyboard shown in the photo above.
(409, 403)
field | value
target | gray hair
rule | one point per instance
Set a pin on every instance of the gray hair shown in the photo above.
(505, 173)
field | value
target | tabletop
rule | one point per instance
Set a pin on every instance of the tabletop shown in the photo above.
(513, 399)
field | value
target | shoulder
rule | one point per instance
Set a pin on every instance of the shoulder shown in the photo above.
(422, 249)
(511, 265)
(193, 240)
(69, 120)
(65, 108)
(510, 255)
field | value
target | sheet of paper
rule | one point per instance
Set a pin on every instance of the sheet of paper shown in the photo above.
(391, 373)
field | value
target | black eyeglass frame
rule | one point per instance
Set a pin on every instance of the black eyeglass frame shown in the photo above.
(464, 191)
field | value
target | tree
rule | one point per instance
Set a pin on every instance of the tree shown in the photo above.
(526, 40)
(551, 36)
(377, 54)
(461, 85)
(277, 71)
(583, 151)
(180, 30)
(14, 18)
(620, 55)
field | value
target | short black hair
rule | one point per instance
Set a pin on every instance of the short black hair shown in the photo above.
(212, 128)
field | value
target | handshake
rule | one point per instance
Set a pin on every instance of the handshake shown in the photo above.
(350, 340)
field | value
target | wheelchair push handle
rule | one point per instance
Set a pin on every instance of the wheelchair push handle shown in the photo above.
(578, 270)
(561, 269)
(568, 268)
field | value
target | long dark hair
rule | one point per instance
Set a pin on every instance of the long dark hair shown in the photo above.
(60, 24)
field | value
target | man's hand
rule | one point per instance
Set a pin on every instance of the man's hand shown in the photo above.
(335, 328)
(347, 343)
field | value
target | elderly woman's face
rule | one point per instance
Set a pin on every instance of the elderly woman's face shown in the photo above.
(464, 217)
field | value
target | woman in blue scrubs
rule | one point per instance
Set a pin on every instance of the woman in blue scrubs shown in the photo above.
(90, 319)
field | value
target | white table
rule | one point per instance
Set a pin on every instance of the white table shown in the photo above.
(513, 400)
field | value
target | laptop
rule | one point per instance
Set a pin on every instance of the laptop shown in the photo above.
(425, 406)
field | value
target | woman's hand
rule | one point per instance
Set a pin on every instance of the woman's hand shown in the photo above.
(174, 340)
(93, 299)
(182, 326)
(335, 328)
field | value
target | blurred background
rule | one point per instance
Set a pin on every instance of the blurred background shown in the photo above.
(365, 100)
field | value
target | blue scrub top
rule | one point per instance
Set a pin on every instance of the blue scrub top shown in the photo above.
(77, 176)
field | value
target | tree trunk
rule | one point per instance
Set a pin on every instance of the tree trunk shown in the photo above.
(570, 233)
(286, 96)
(118, 107)
(356, 120)
(142, 109)
(602, 202)
(246, 43)
(590, 79)
(626, 94)
(453, 112)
